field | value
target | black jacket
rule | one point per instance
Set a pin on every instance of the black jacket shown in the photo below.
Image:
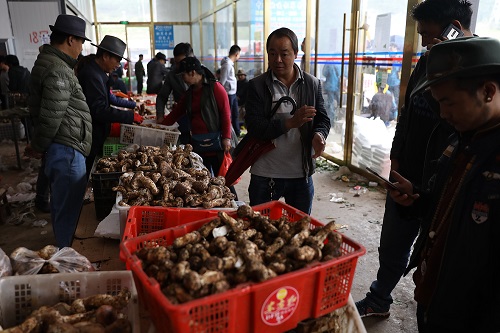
(467, 295)
(258, 111)
(94, 84)
(418, 120)
(19, 79)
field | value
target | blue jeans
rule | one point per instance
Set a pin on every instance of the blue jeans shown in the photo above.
(65, 169)
(396, 239)
(235, 113)
(298, 192)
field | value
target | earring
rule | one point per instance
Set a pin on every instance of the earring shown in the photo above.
(488, 99)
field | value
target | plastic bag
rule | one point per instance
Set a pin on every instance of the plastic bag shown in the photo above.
(5, 266)
(48, 260)
(226, 163)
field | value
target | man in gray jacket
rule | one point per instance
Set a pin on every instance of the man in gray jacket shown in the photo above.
(228, 81)
(63, 125)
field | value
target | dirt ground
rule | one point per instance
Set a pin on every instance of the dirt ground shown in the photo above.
(360, 216)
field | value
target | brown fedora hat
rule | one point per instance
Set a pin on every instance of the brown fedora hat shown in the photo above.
(71, 25)
(113, 45)
(461, 58)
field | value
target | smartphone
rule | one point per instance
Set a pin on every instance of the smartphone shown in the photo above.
(452, 32)
(383, 179)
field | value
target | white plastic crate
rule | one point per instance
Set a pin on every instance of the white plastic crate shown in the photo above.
(21, 295)
(167, 135)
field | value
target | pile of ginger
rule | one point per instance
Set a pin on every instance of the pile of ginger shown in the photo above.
(93, 314)
(229, 251)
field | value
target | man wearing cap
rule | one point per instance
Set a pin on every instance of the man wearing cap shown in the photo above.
(457, 254)
(156, 73)
(93, 73)
(63, 124)
(241, 92)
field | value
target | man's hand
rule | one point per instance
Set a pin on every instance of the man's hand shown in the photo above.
(434, 42)
(403, 196)
(303, 115)
(226, 144)
(318, 144)
(30, 152)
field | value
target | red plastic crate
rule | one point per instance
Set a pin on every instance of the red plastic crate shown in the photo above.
(146, 219)
(310, 292)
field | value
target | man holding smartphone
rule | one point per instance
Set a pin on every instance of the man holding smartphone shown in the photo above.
(412, 145)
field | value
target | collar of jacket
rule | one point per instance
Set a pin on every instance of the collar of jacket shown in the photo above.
(49, 49)
(269, 73)
(97, 69)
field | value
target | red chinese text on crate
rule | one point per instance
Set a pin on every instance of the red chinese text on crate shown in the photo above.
(310, 292)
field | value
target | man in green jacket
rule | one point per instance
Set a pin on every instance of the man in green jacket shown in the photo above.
(63, 125)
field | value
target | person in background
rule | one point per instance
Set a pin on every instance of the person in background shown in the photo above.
(139, 74)
(116, 83)
(19, 76)
(394, 82)
(93, 73)
(411, 146)
(332, 74)
(4, 83)
(462, 225)
(119, 70)
(207, 106)
(156, 73)
(228, 81)
(217, 74)
(63, 124)
(382, 104)
(286, 171)
(241, 93)
(177, 87)
(303, 58)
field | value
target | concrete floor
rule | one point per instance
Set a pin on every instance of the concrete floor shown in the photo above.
(360, 215)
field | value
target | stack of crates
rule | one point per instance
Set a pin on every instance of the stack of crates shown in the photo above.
(104, 196)
(111, 146)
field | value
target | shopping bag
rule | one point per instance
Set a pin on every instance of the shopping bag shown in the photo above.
(249, 150)
(226, 163)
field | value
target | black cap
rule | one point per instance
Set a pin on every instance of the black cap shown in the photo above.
(71, 25)
(113, 45)
(463, 57)
(189, 64)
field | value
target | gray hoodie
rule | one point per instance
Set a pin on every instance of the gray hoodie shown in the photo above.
(228, 76)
